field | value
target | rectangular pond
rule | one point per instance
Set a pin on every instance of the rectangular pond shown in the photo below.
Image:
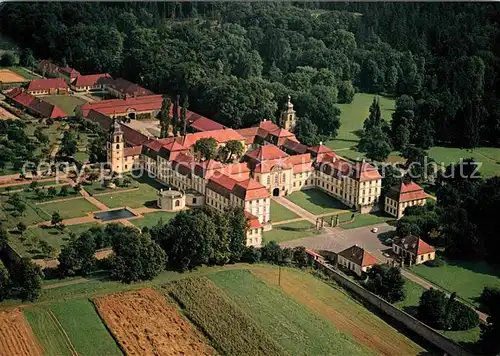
(114, 215)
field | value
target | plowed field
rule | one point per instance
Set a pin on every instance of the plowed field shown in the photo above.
(16, 337)
(144, 324)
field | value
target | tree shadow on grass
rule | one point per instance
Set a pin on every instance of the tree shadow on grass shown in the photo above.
(476, 266)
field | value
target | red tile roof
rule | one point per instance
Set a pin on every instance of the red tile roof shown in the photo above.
(364, 171)
(221, 136)
(319, 149)
(358, 256)
(122, 106)
(36, 105)
(294, 146)
(68, 71)
(405, 192)
(127, 88)
(132, 151)
(249, 190)
(46, 84)
(414, 244)
(281, 133)
(253, 221)
(266, 152)
(89, 80)
(203, 124)
(221, 184)
(268, 125)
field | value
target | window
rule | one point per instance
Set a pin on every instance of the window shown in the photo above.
(117, 145)
(421, 257)
(276, 179)
(177, 203)
(268, 180)
(126, 166)
(283, 178)
(429, 256)
(194, 200)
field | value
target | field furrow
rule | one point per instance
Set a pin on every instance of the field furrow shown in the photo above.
(16, 337)
(144, 324)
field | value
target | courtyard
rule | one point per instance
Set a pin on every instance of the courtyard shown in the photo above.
(317, 202)
(66, 103)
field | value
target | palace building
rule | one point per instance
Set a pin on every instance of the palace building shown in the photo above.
(274, 163)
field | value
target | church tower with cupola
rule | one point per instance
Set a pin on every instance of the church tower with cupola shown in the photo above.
(287, 120)
(115, 148)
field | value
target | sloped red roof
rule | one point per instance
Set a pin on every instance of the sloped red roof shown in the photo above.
(414, 244)
(133, 137)
(46, 84)
(364, 171)
(294, 146)
(122, 106)
(281, 133)
(132, 151)
(127, 88)
(253, 221)
(203, 124)
(37, 105)
(70, 72)
(89, 80)
(221, 136)
(268, 125)
(406, 191)
(250, 189)
(358, 256)
(221, 184)
(266, 152)
(318, 149)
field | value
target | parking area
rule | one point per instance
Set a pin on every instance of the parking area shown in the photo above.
(339, 239)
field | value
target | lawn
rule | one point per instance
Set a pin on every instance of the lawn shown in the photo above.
(83, 327)
(27, 185)
(488, 156)
(280, 213)
(354, 114)
(147, 192)
(33, 197)
(69, 209)
(361, 220)
(151, 219)
(23, 72)
(292, 325)
(343, 311)
(290, 231)
(96, 188)
(67, 103)
(28, 247)
(466, 278)
(32, 215)
(317, 202)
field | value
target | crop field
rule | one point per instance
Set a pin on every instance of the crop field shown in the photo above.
(144, 324)
(298, 330)
(346, 314)
(8, 76)
(231, 331)
(16, 336)
(71, 328)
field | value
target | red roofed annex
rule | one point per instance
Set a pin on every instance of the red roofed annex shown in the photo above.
(35, 106)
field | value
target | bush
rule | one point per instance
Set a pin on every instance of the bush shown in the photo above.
(437, 262)
(462, 317)
(250, 255)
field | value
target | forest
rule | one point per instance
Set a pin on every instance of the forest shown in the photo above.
(237, 62)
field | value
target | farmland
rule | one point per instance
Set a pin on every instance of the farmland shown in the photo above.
(344, 313)
(231, 330)
(143, 323)
(290, 323)
(16, 337)
(73, 326)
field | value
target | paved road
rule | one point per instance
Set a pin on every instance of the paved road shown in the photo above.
(338, 239)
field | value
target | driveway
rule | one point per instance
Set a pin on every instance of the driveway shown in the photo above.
(338, 239)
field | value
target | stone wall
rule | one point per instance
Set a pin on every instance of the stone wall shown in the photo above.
(426, 332)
